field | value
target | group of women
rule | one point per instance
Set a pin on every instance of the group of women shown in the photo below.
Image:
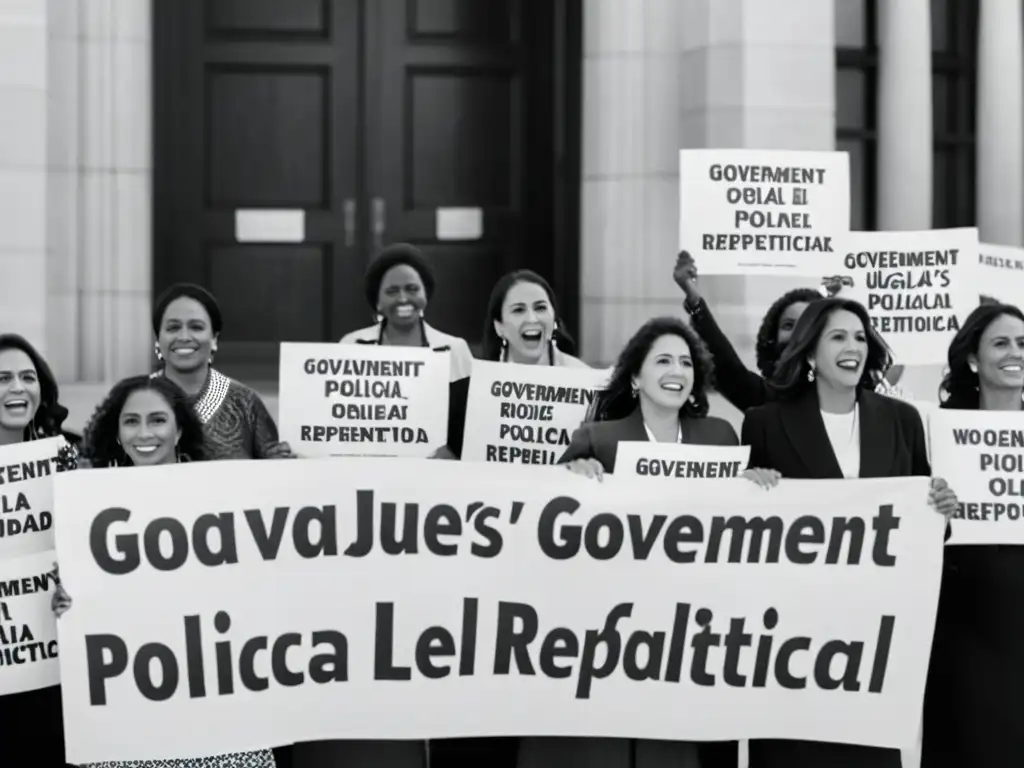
(821, 407)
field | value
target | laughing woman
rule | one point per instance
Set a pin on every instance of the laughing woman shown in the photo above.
(148, 421)
(399, 285)
(30, 410)
(187, 322)
(826, 423)
(523, 326)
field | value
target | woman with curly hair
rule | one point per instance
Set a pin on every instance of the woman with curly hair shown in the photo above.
(30, 409)
(657, 392)
(742, 387)
(974, 702)
(826, 422)
(147, 421)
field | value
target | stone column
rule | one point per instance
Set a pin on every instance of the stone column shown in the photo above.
(905, 154)
(23, 125)
(1000, 131)
(661, 75)
(115, 190)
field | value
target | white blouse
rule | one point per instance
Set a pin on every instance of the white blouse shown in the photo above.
(653, 439)
(843, 431)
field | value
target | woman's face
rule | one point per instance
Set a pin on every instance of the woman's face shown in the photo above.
(787, 322)
(666, 376)
(147, 429)
(186, 338)
(527, 322)
(20, 391)
(1000, 355)
(842, 351)
(402, 296)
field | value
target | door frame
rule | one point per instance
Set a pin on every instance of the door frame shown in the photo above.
(170, 51)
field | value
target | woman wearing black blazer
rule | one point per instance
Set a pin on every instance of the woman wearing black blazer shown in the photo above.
(658, 392)
(739, 385)
(974, 706)
(827, 423)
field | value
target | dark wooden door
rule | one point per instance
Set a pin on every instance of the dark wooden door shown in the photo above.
(366, 117)
(259, 117)
(447, 124)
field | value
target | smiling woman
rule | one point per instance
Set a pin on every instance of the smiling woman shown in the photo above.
(30, 410)
(399, 285)
(658, 391)
(523, 326)
(187, 322)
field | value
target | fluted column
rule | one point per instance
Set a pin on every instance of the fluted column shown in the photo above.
(904, 115)
(1000, 128)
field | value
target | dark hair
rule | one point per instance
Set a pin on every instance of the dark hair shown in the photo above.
(100, 446)
(988, 300)
(50, 414)
(191, 291)
(790, 378)
(392, 256)
(616, 400)
(767, 347)
(959, 387)
(491, 345)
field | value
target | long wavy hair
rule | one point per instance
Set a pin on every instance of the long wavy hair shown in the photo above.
(50, 415)
(960, 386)
(100, 445)
(767, 348)
(790, 378)
(491, 346)
(616, 401)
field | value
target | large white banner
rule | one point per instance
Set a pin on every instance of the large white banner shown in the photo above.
(981, 454)
(363, 400)
(918, 287)
(26, 496)
(261, 603)
(28, 630)
(756, 211)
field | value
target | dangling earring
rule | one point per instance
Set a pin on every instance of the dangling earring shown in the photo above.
(810, 374)
(635, 391)
(157, 352)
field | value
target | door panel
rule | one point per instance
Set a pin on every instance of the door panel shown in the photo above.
(446, 131)
(367, 116)
(269, 109)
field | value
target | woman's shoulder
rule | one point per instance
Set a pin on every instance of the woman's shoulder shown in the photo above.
(369, 334)
(893, 406)
(568, 361)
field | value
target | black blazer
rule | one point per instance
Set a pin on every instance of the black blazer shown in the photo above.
(789, 436)
(600, 439)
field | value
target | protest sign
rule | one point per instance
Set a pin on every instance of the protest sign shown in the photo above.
(1001, 272)
(770, 212)
(981, 455)
(28, 628)
(918, 287)
(646, 460)
(388, 598)
(26, 496)
(526, 414)
(363, 400)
